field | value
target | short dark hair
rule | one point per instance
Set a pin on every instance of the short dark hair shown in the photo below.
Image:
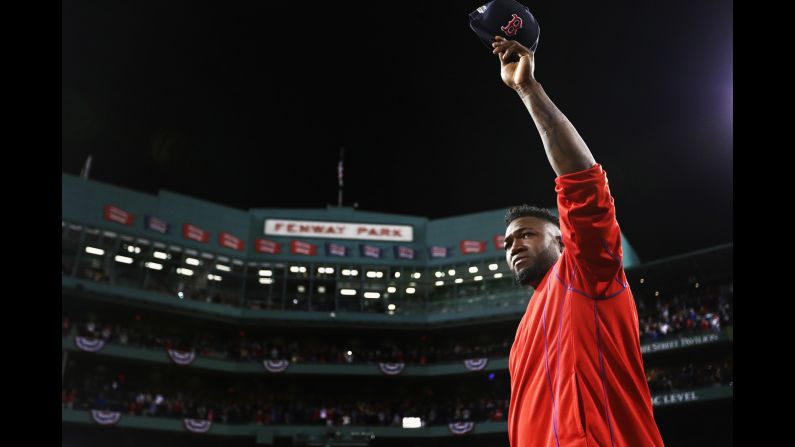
(523, 210)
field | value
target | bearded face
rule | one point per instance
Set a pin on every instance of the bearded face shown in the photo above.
(532, 246)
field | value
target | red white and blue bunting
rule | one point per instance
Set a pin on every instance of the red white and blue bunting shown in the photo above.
(391, 369)
(476, 364)
(182, 357)
(461, 428)
(89, 344)
(275, 366)
(196, 425)
(105, 417)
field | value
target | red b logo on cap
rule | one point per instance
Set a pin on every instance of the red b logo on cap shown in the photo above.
(513, 26)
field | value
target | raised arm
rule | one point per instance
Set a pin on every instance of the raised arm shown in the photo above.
(565, 149)
(587, 212)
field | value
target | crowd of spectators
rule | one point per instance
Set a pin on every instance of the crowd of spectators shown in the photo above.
(242, 403)
(237, 346)
(696, 310)
(672, 378)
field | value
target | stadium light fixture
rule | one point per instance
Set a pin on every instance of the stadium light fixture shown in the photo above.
(493, 267)
(372, 295)
(498, 275)
(439, 283)
(478, 278)
(123, 259)
(153, 266)
(266, 280)
(160, 255)
(95, 251)
(459, 280)
(473, 269)
(391, 307)
(192, 261)
(451, 272)
(391, 289)
(411, 290)
(184, 271)
(348, 292)
(223, 268)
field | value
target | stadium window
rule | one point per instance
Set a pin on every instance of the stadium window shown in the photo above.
(97, 253)
(127, 268)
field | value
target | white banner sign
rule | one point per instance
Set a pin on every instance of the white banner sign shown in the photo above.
(339, 230)
(673, 398)
(680, 342)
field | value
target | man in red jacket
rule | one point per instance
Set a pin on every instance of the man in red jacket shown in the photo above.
(576, 369)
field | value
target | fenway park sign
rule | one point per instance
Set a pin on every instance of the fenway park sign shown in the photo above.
(339, 230)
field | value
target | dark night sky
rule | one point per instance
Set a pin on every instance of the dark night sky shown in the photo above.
(247, 103)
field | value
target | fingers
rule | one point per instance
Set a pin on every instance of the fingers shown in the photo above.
(504, 45)
(507, 54)
(502, 54)
(508, 51)
(501, 44)
(500, 50)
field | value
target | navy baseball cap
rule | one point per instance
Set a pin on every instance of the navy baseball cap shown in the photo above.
(506, 18)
